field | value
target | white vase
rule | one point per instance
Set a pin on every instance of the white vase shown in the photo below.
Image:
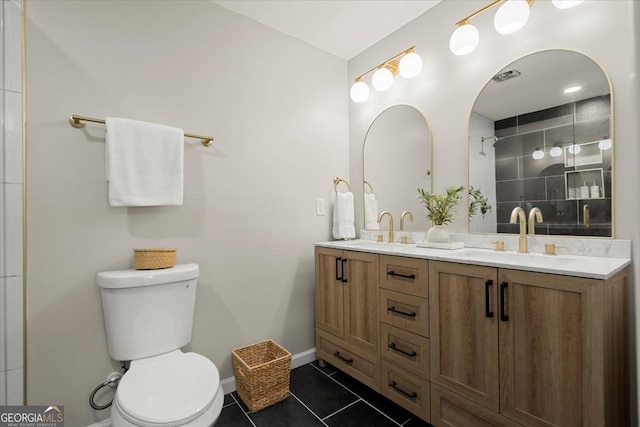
(438, 234)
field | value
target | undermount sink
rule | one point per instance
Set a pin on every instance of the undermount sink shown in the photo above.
(516, 258)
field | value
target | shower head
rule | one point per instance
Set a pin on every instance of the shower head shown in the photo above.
(484, 138)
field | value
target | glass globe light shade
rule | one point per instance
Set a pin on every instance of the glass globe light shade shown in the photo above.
(511, 16)
(538, 154)
(464, 39)
(574, 149)
(604, 144)
(555, 152)
(382, 79)
(566, 4)
(410, 65)
(359, 91)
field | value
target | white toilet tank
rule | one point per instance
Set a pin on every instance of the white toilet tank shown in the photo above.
(148, 312)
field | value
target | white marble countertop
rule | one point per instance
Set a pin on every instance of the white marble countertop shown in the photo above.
(569, 265)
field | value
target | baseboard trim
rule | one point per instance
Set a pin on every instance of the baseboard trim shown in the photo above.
(229, 384)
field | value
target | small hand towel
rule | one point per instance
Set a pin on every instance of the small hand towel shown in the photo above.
(371, 212)
(144, 163)
(343, 216)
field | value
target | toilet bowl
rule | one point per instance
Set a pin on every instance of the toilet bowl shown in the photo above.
(173, 389)
(148, 318)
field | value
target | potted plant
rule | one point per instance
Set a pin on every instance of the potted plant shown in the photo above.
(477, 200)
(440, 210)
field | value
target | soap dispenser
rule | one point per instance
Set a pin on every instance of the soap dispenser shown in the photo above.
(584, 191)
(594, 190)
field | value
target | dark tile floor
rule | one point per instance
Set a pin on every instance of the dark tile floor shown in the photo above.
(321, 397)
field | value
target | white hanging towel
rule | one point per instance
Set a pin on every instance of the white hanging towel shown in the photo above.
(371, 212)
(343, 216)
(144, 163)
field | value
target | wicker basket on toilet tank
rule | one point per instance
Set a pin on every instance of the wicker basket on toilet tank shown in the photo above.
(262, 372)
(154, 258)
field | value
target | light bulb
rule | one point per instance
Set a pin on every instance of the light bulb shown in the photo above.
(511, 16)
(574, 149)
(410, 65)
(382, 79)
(566, 4)
(604, 144)
(538, 154)
(464, 39)
(359, 91)
(555, 152)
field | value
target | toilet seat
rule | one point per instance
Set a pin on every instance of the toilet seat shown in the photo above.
(169, 390)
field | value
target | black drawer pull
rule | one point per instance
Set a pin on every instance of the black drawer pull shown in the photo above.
(411, 353)
(404, 313)
(344, 276)
(411, 395)
(338, 274)
(503, 315)
(487, 305)
(339, 356)
(406, 276)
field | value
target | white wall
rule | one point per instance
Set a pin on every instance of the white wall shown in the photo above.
(482, 171)
(607, 31)
(278, 111)
(11, 319)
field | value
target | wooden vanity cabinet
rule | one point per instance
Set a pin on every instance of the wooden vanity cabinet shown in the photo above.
(347, 327)
(512, 347)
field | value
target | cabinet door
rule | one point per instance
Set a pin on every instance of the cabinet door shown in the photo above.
(551, 356)
(361, 300)
(464, 331)
(329, 290)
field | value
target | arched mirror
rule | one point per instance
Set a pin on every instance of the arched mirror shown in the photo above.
(540, 135)
(396, 162)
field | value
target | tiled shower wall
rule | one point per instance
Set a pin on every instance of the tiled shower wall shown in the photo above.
(11, 319)
(523, 181)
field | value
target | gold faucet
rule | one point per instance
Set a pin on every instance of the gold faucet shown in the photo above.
(382, 214)
(517, 214)
(405, 213)
(534, 215)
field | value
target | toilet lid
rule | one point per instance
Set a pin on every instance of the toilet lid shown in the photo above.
(168, 388)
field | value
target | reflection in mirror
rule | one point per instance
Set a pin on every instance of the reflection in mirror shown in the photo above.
(532, 144)
(396, 162)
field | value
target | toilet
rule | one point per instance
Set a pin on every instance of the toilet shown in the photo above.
(148, 317)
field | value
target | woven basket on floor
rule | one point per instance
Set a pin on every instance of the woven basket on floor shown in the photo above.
(152, 259)
(262, 372)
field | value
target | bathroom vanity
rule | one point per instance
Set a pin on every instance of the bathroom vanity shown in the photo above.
(478, 337)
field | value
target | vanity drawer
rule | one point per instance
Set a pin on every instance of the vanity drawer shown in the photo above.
(451, 410)
(360, 365)
(407, 312)
(408, 391)
(404, 349)
(408, 275)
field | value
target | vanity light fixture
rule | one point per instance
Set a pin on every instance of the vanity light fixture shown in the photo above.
(538, 154)
(604, 144)
(556, 151)
(574, 149)
(407, 63)
(511, 16)
(566, 4)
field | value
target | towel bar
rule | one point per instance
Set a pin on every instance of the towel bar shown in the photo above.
(370, 187)
(337, 181)
(79, 122)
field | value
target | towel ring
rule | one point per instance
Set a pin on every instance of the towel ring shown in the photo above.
(337, 181)
(370, 187)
